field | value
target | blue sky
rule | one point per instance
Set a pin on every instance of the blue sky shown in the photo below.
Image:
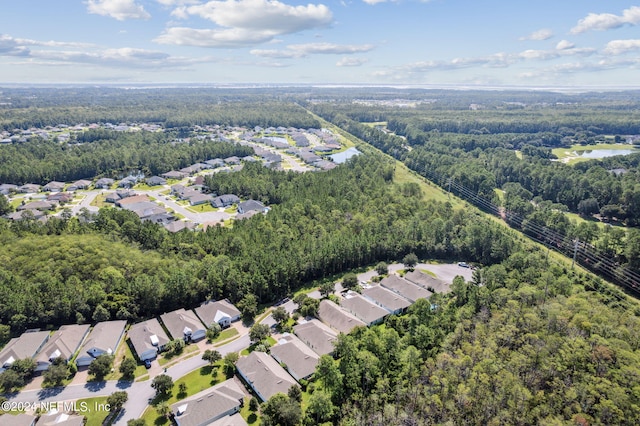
(540, 43)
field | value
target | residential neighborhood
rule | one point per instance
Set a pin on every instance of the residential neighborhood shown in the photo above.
(292, 359)
(176, 199)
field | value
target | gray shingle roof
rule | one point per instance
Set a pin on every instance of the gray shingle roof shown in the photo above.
(300, 360)
(177, 320)
(264, 374)
(338, 318)
(404, 288)
(367, 311)
(386, 298)
(427, 281)
(317, 336)
(209, 405)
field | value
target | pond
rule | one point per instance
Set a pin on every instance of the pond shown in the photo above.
(602, 153)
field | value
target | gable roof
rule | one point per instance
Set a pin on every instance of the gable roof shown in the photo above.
(179, 225)
(338, 318)
(132, 200)
(21, 419)
(386, 298)
(63, 343)
(264, 374)
(427, 281)
(404, 288)
(210, 312)
(179, 320)
(141, 335)
(300, 360)
(56, 418)
(25, 346)
(209, 405)
(362, 308)
(317, 336)
(250, 205)
(104, 338)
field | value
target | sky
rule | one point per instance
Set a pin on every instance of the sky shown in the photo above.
(517, 43)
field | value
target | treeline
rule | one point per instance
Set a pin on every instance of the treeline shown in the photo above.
(522, 343)
(173, 108)
(115, 155)
(323, 224)
(537, 190)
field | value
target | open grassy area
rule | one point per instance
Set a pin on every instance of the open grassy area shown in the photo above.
(429, 190)
(252, 418)
(94, 409)
(167, 358)
(99, 201)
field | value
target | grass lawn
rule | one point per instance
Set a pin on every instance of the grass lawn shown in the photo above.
(232, 209)
(95, 410)
(252, 418)
(375, 123)
(428, 272)
(167, 358)
(202, 208)
(100, 202)
(124, 351)
(429, 190)
(226, 334)
(196, 381)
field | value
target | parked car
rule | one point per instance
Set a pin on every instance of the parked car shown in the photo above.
(147, 363)
(463, 264)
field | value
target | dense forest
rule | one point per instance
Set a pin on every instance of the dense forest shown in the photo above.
(529, 340)
(113, 154)
(320, 224)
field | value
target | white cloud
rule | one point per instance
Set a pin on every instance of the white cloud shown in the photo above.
(350, 62)
(617, 47)
(607, 21)
(564, 44)
(117, 9)
(176, 2)
(9, 46)
(234, 37)
(374, 2)
(302, 50)
(245, 22)
(543, 34)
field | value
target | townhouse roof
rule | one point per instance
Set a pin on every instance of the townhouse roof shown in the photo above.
(337, 317)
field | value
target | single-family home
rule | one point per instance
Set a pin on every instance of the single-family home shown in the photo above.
(21, 419)
(124, 202)
(156, 181)
(183, 324)
(104, 338)
(60, 197)
(215, 163)
(57, 418)
(24, 214)
(225, 200)
(199, 198)
(25, 346)
(173, 174)
(190, 170)
(128, 182)
(29, 188)
(38, 205)
(54, 186)
(179, 225)
(104, 183)
(264, 375)
(218, 403)
(222, 312)
(433, 284)
(392, 302)
(148, 338)
(299, 360)
(317, 336)
(64, 343)
(8, 188)
(404, 288)
(338, 318)
(364, 309)
(250, 205)
(79, 184)
(233, 160)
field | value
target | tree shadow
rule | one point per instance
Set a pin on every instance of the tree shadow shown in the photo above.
(252, 418)
(95, 386)
(49, 392)
(124, 384)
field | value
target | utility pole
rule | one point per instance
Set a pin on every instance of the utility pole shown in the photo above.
(576, 242)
